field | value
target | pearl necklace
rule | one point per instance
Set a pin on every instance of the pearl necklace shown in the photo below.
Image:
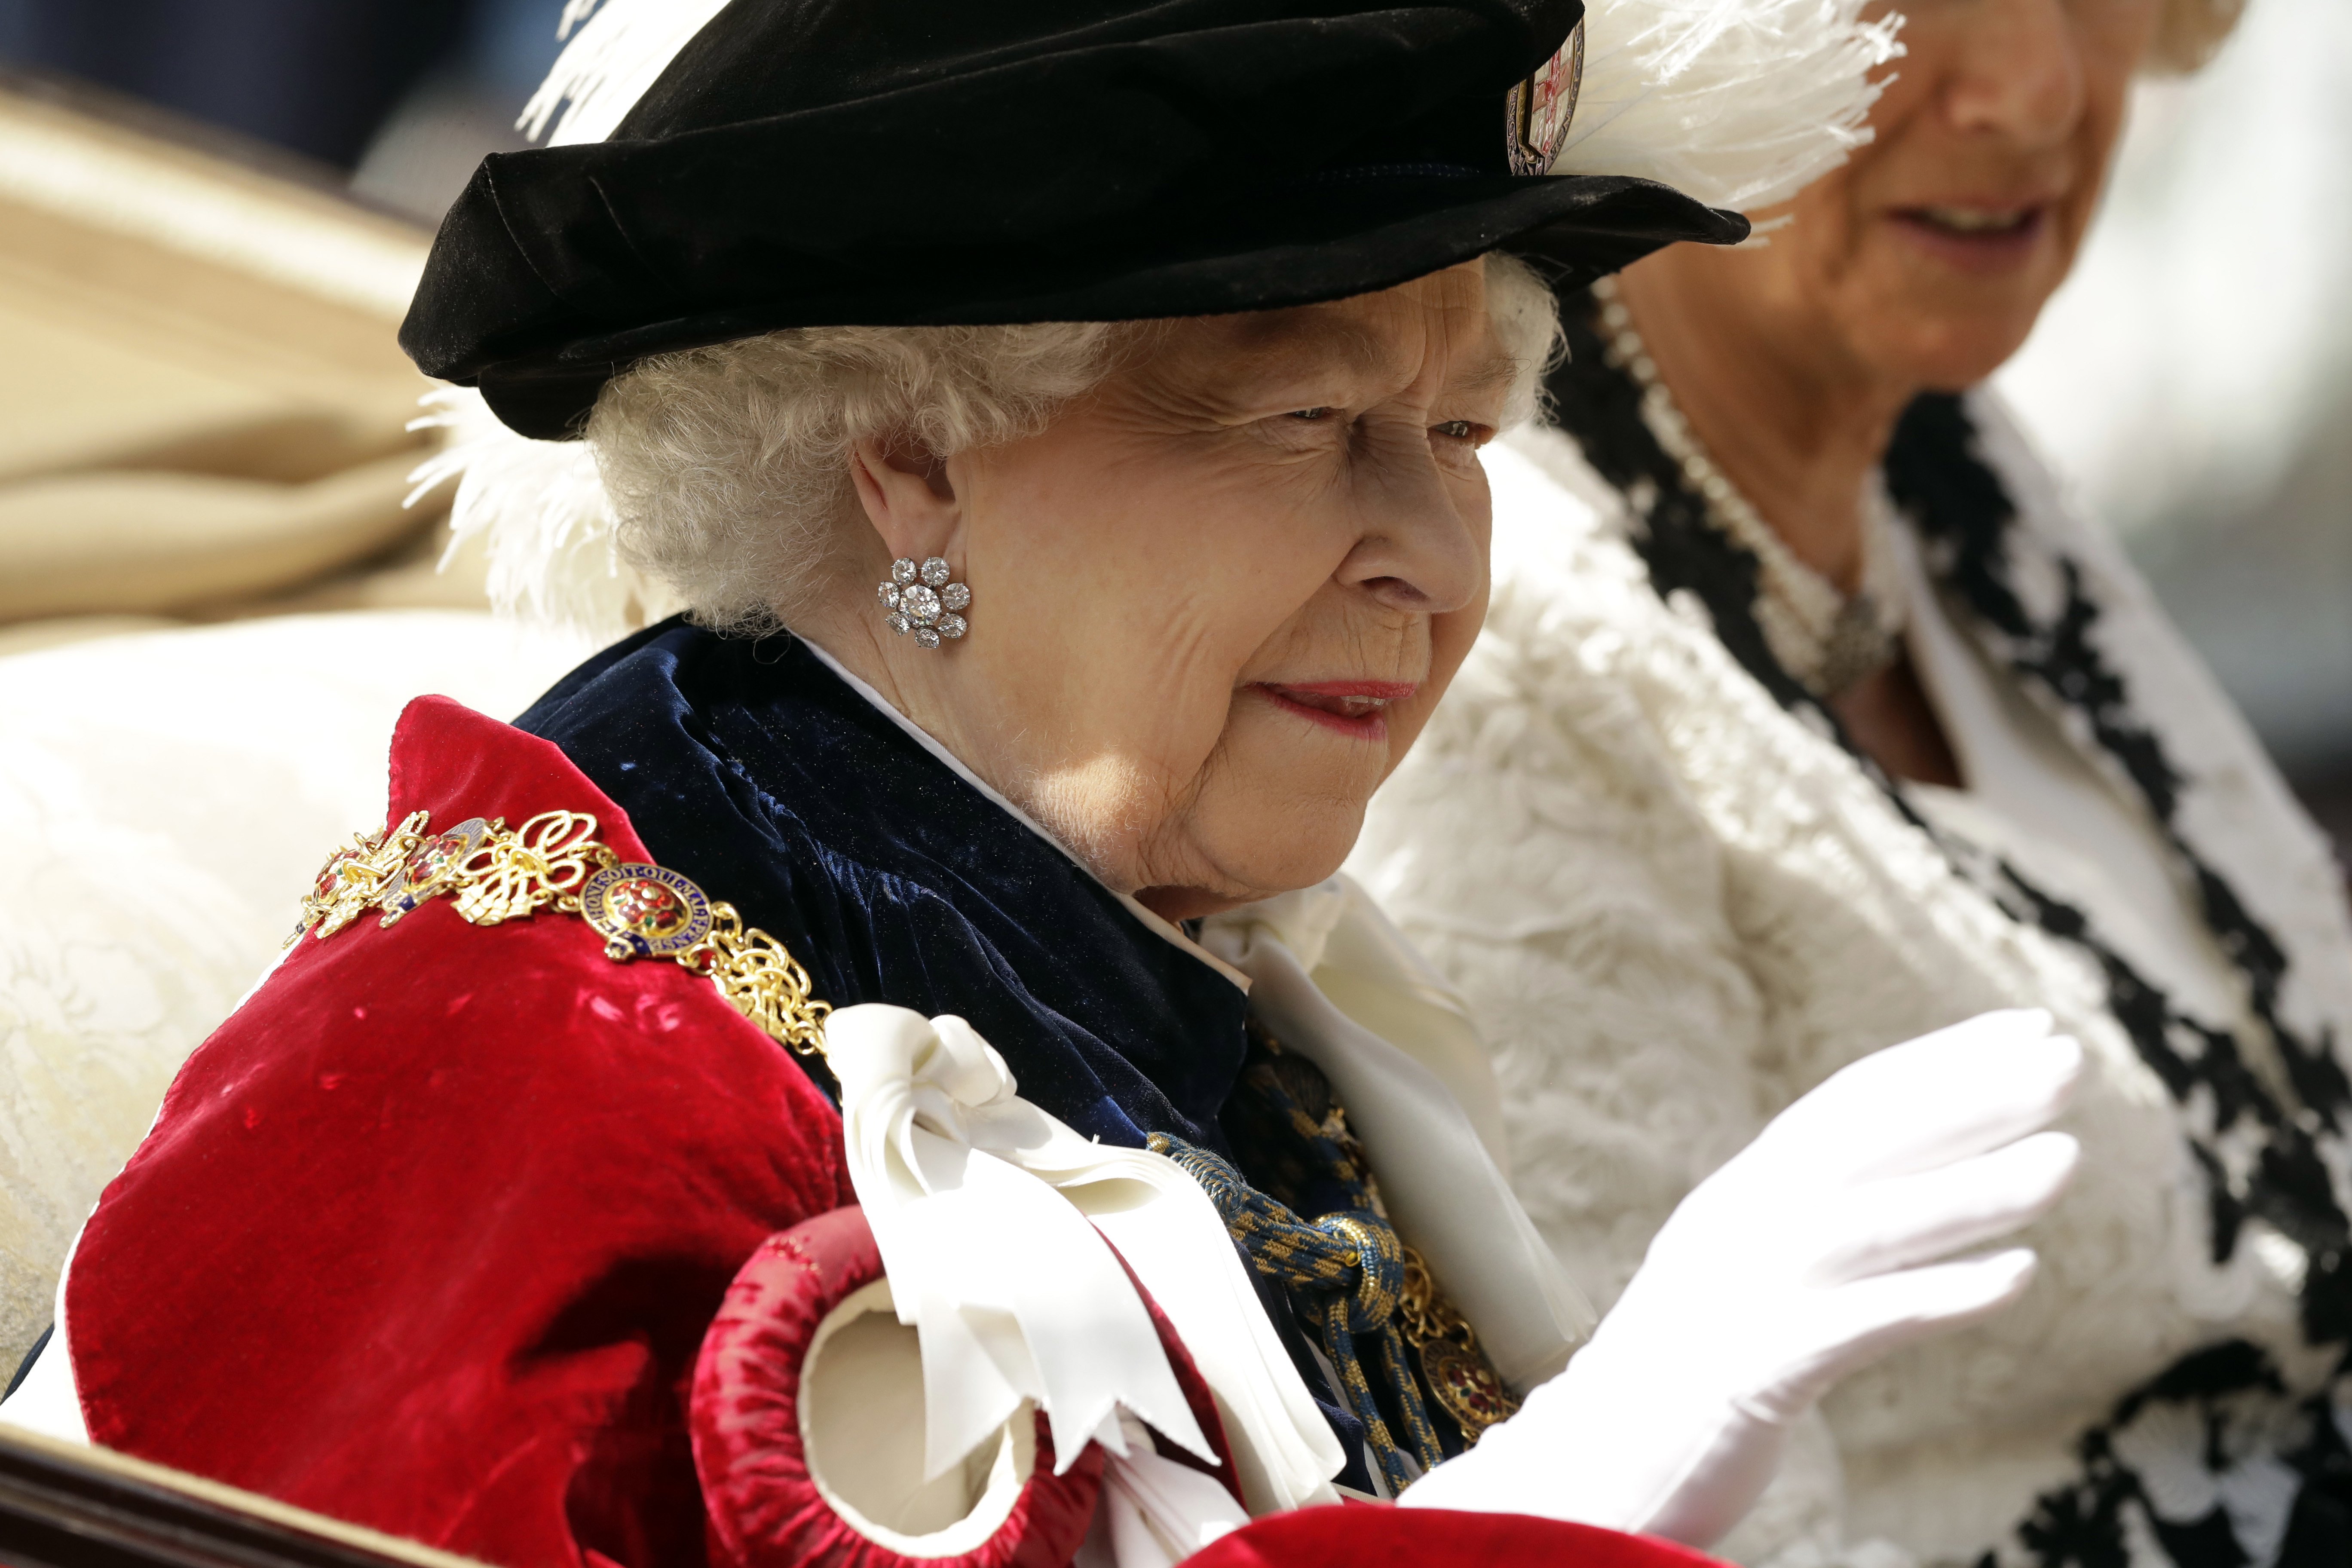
(1830, 641)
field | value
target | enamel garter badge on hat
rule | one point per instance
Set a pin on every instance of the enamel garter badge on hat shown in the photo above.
(1538, 110)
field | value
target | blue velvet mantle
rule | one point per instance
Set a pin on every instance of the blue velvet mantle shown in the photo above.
(753, 769)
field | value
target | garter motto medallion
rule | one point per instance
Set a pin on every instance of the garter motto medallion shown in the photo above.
(644, 912)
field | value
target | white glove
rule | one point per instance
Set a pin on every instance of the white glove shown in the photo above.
(1794, 1265)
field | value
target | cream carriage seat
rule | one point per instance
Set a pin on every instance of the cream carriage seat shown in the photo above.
(203, 421)
(165, 797)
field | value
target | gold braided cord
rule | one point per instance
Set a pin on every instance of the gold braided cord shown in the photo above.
(494, 874)
(1350, 1267)
(1370, 1297)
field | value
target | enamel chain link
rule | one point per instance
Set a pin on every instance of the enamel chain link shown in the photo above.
(495, 874)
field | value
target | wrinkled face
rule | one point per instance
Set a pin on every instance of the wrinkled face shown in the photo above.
(1215, 600)
(1928, 256)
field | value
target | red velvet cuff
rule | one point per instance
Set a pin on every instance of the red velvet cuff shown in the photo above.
(765, 1510)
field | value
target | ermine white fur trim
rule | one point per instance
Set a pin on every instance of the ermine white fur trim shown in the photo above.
(1741, 103)
(540, 510)
(609, 64)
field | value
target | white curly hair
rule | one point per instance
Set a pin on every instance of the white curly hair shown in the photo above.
(727, 467)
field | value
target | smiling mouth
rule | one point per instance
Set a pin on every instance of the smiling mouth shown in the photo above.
(1976, 220)
(1976, 235)
(1353, 708)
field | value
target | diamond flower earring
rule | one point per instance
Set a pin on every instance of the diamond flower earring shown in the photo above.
(927, 607)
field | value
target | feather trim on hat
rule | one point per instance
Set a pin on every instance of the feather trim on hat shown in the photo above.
(539, 507)
(1741, 103)
(542, 515)
(609, 64)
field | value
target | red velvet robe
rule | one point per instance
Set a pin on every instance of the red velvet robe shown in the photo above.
(428, 1234)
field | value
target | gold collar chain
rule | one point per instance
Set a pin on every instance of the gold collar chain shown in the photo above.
(553, 861)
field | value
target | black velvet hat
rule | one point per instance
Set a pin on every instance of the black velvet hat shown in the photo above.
(813, 163)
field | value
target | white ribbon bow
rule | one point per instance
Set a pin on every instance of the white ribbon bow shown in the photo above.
(996, 1224)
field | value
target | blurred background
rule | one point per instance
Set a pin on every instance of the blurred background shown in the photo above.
(2195, 377)
(398, 98)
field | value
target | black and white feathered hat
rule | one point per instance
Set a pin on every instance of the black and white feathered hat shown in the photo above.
(844, 163)
(721, 168)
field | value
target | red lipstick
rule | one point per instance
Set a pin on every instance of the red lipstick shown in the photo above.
(1358, 709)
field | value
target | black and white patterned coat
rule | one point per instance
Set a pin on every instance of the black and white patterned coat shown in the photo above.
(1677, 899)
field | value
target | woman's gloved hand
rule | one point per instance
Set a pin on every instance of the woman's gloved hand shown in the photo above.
(1807, 1257)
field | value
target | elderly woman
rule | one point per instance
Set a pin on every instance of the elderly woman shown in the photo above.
(876, 1073)
(1810, 717)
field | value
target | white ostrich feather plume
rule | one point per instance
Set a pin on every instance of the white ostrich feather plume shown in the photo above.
(541, 511)
(1741, 103)
(539, 508)
(609, 64)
